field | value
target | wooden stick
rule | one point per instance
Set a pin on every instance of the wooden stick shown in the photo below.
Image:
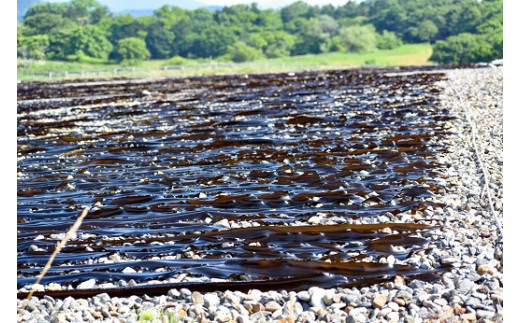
(60, 245)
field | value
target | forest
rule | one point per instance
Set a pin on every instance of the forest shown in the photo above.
(461, 31)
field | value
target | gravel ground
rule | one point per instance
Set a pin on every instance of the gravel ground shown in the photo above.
(468, 239)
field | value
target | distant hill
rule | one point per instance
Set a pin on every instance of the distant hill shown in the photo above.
(135, 13)
(149, 12)
(118, 6)
(136, 8)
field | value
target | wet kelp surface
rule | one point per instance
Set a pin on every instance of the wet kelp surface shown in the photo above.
(234, 181)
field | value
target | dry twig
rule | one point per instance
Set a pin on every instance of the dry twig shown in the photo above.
(60, 245)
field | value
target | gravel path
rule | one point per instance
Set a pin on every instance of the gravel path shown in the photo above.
(468, 239)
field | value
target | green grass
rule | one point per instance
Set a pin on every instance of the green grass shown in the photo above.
(152, 315)
(410, 54)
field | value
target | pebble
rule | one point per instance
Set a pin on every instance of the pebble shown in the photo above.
(485, 269)
(393, 306)
(253, 307)
(357, 315)
(393, 317)
(272, 306)
(469, 316)
(481, 314)
(304, 296)
(211, 300)
(317, 295)
(129, 270)
(88, 284)
(379, 301)
(197, 298)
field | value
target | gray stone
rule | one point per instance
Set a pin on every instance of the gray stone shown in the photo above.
(357, 315)
(197, 298)
(259, 316)
(338, 305)
(473, 302)
(223, 314)
(174, 293)
(211, 300)
(129, 270)
(417, 284)
(232, 299)
(393, 306)
(328, 297)
(307, 316)
(465, 286)
(351, 299)
(88, 284)
(393, 317)
(103, 298)
(385, 311)
(243, 319)
(304, 296)
(272, 306)
(481, 314)
(66, 303)
(317, 295)
(185, 292)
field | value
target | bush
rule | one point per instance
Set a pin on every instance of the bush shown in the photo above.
(466, 48)
(356, 39)
(131, 49)
(388, 40)
(89, 41)
(81, 57)
(240, 52)
(177, 60)
(160, 42)
(32, 46)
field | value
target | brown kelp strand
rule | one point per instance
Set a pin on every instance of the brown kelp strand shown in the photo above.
(242, 178)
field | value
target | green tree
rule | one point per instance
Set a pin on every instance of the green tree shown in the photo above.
(125, 26)
(84, 12)
(424, 32)
(160, 41)
(59, 44)
(279, 44)
(269, 20)
(239, 18)
(131, 49)
(294, 10)
(391, 19)
(78, 43)
(46, 8)
(356, 39)
(212, 42)
(462, 49)
(46, 23)
(314, 35)
(388, 40)
(239, 52)
(90, 41)
(32, 47)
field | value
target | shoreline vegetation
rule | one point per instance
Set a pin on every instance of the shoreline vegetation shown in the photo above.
(41, 70)
(84, 35)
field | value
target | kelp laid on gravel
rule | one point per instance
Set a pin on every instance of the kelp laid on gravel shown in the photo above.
(233, 179)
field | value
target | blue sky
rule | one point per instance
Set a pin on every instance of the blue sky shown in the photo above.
(273, 2)
(262, 4)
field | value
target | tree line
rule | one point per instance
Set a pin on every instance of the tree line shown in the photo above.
(462, 31)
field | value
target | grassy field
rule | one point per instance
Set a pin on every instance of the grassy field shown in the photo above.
(411, 54)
